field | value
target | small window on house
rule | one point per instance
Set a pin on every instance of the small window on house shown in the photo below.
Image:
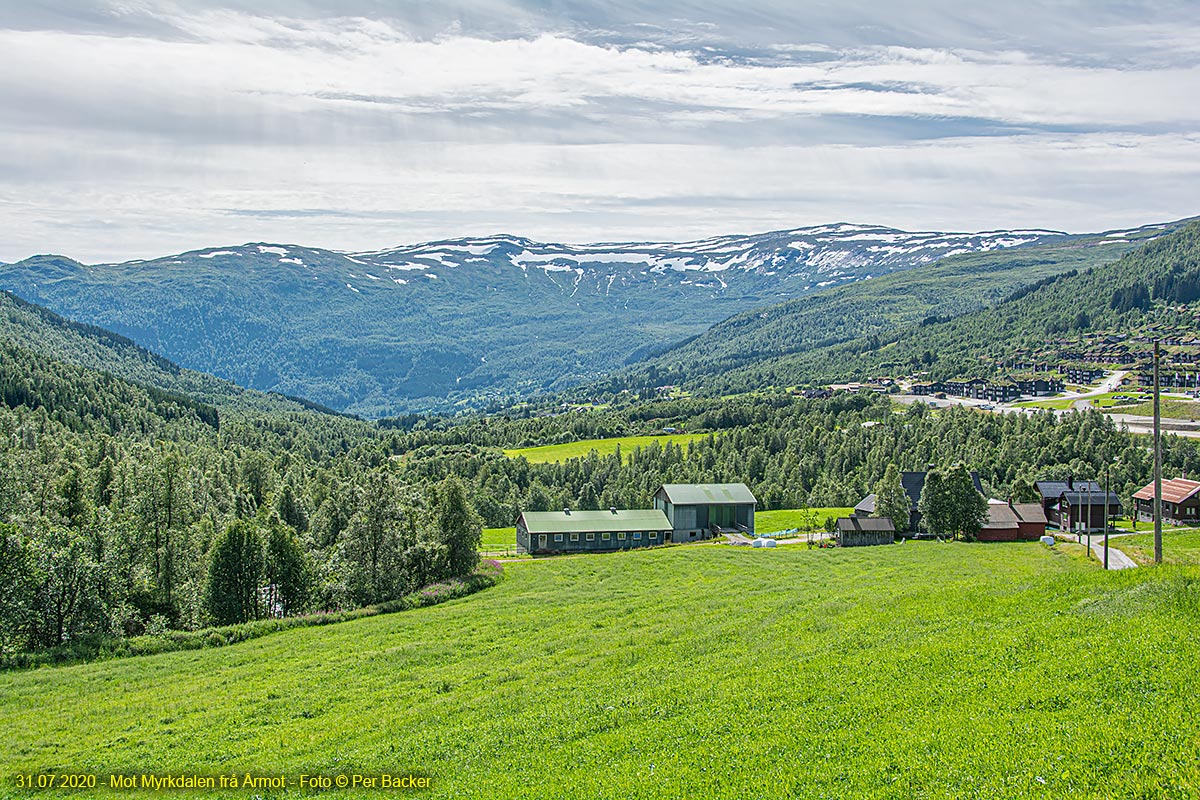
(621, 536)
(574, 537)
(591, 537)
(558, 537)
(606, 536)
(637, 535)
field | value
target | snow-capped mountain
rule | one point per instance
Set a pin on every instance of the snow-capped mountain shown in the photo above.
(824, 255)
(409, 326)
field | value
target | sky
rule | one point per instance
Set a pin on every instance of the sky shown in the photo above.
(137, 128)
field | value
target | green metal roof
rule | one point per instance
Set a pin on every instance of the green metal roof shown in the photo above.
(595, 521)
(702, 494)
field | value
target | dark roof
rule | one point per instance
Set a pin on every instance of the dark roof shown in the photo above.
(914, 484)
(1002, 516)
(865, 524)
(703, 494)
(1048, 489)
(1096, 498)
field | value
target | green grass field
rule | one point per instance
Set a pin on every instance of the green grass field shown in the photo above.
(788, 518)
(562, 452)
(918, 670)
(498, 537)
(1171, 408)
(1059, 403)
(1180, 546)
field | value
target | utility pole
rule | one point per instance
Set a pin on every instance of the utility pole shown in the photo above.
(1157, 466)
(1107, 488)
(1087, 526)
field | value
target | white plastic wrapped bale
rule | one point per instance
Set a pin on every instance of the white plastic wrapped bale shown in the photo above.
(764, 543)
(1047, 540)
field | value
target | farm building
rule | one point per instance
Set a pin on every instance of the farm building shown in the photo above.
(914, 484)
(703, 510)
(1180, 501)
(590, 531)
(1068, 504)
(863, 531)
(1013, 522)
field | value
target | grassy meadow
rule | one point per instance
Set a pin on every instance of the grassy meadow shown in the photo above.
(550, 453)
(788, 518)
(498, 537)
(1180, 546)
(917, 670)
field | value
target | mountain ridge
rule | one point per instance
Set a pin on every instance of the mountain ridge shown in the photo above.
(454, 323)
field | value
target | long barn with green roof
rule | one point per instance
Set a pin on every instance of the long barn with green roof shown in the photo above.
(589, 531)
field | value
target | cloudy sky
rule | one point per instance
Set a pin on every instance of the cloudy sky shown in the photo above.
(137, 128)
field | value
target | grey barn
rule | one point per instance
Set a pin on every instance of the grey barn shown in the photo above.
(574, 531)
(702, 510)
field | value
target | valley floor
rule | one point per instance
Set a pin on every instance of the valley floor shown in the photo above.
(921, 670)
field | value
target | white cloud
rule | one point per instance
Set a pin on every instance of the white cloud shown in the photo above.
(215, 126)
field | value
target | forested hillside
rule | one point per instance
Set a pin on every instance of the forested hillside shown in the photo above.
(127, 508)
(1095, 294)
(41, 331)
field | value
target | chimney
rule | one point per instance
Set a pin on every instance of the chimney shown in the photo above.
(1010, 503)
(1070, 481)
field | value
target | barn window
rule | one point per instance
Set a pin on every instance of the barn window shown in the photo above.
(653, 534)
(607, 536)
(574, 537)
(591, 537)
(621, 536)
(558, 537)
(637, 535)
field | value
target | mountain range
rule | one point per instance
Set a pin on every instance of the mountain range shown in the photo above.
(457, 322)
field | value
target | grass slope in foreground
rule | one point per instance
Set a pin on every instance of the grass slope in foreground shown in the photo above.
(924, 670)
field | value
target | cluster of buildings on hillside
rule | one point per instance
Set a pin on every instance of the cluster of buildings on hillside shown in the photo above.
(697, 512)
(996, 390)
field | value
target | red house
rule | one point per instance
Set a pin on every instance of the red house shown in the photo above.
(1013, 522)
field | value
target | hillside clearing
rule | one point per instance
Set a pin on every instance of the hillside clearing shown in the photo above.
(561, 452)
(1004, 671)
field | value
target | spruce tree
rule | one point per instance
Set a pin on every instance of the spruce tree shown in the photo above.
(458, 527)
(934, 504)
(967, 508)
(891, 500)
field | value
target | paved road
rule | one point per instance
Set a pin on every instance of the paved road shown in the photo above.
(1116, 558)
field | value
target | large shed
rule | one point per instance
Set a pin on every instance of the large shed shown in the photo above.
(864, 531)
(589, 531)
(701, 510)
